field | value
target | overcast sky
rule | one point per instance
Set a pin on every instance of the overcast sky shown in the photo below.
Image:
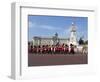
(47, 26)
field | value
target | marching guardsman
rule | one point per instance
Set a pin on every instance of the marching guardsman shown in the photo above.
(66, 49)
(31, 48)
(60, 49)
(72, 49)
(63, 49)
(47, 49)
(39, 49)
(43, 49)
(54, 49)
(34, 49)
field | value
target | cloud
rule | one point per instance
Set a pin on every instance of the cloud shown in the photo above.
(31, 24)
(65, 33)
(83, 34)
(47, 27)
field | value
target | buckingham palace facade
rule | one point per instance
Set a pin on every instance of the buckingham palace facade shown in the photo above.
(49, 40)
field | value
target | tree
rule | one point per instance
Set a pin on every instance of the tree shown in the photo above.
(86, 42)
(81, 41)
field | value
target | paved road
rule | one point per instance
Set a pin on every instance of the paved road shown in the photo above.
(57, 59)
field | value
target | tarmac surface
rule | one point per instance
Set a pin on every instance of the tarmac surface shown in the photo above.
(56, 59)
